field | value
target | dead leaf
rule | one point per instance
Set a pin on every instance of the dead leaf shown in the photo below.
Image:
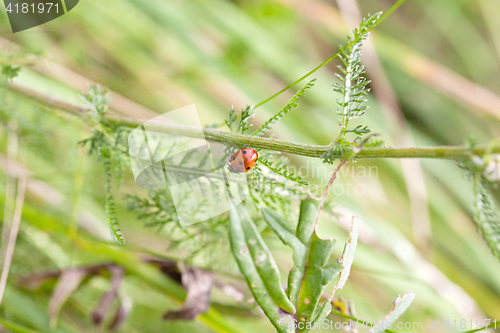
(35, 281)
(68, 281)
(109, 297)
(167, 267)
(121, 313)
(198, 283)
(232, 292)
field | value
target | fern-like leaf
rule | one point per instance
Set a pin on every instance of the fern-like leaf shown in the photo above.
(97, 100)
(8, 73)
(240, 122)
(353, 88)
(292, 103)
(485, 216)
(282, 171)
(109, 200)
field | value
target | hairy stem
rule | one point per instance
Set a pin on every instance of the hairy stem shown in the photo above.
(302, 149)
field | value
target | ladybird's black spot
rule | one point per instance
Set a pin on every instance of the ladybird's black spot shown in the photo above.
(244, 151)
(241, 163)
(234, 158)
(248, 168)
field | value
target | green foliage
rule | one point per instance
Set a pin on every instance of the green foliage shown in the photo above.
(257, 264)
(97, 100)
(336, 152)
(484, 173)
(108, 142)
(259, 180)
(312, 270)
(485, 214)
(109, 200)
(307, 280)
(280, 169)
(318, 273)
(105, 134)
(292, 103)
(114, 65)
(270, 188)
(205, 243)
(353, 88)
(374, 142)
(239, 122)
(346, 260)
(8, 73)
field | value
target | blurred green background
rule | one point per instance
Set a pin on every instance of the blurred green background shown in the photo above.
(434, 67)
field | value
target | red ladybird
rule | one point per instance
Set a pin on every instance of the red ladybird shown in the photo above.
(243, 160)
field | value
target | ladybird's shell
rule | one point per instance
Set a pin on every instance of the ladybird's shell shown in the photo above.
(243, 160)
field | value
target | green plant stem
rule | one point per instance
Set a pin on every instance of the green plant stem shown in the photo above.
(302, 149)
(390, 10)
(383, 17)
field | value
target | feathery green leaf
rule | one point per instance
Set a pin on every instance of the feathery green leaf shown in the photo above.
(109, 200)
(292, 103)
(485, 215)
(282, 172)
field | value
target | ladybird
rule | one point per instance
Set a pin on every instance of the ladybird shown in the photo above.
(243, 160)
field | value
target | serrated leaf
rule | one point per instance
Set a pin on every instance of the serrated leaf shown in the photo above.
(348, 254)
(318, 273)
(400, 306)
(485, 216)
(312, 271)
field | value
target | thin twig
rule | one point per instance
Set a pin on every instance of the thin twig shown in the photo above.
(327, 189)
(332, 179)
